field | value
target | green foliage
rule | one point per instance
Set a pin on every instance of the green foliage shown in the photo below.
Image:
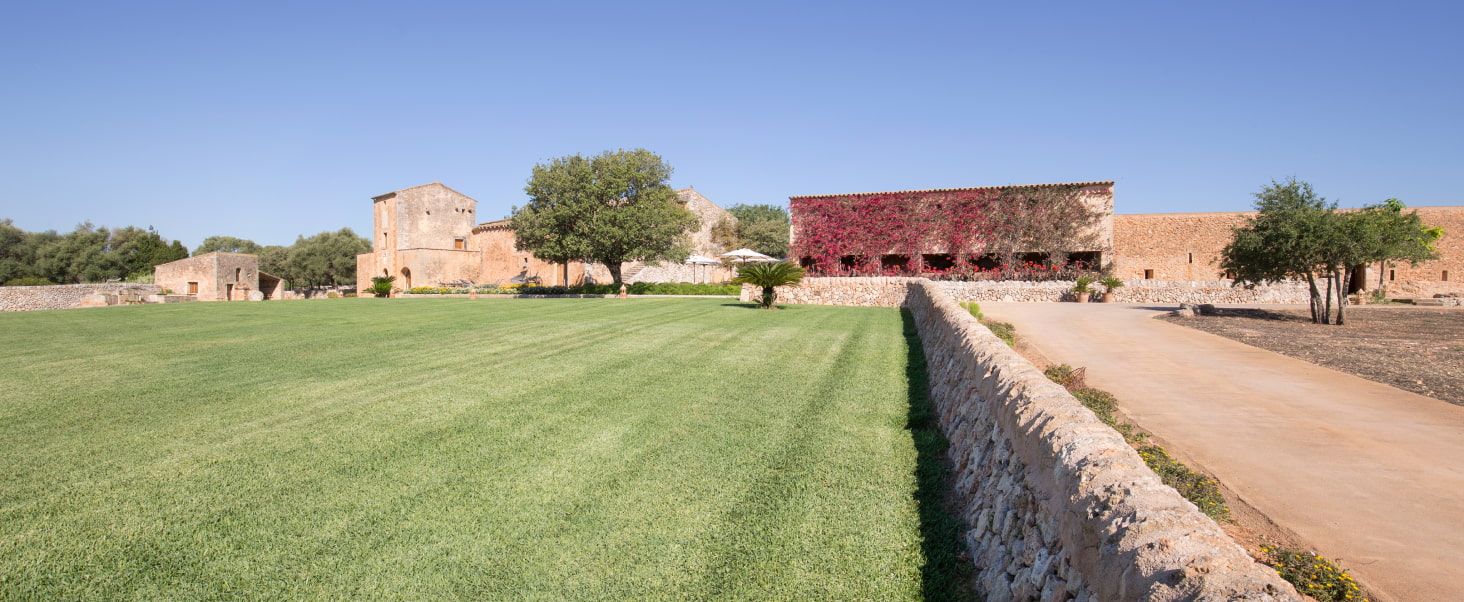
(1069, 377)
(1083, 284)
(28, 281)
(1297, 234)
(762, 228)
(1111, 284)
(1313, 575)
(769, 275)
(1003, 330)
(974, 308)
(87, 254)
(328, 258)
(226, 244)
(611, 208)
(1199, 489)
(274, 260)
(380, 286)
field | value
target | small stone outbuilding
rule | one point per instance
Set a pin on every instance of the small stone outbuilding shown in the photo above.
(218, 276)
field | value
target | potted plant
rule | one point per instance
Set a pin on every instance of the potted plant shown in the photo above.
(1083, 287)
(1111, 285)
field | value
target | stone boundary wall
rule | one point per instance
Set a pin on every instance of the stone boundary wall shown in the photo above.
(1057, 505)
(67, 296)
(891, 292)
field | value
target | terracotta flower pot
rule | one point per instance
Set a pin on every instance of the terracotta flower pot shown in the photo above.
(1108, 297)
(1083, 297)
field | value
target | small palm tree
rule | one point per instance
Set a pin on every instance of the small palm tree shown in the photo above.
(381, 285)
(769, 276)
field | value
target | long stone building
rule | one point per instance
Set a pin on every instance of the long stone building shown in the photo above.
(429, 235)
(1162, 246)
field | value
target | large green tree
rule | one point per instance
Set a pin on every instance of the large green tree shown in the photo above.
(1296, 234)
(762, 228)
(611, 208)
(325, 259)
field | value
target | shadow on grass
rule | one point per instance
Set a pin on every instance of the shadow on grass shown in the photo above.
(947, 573)
(751, 305)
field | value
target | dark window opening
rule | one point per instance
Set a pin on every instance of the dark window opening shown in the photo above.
(1392, 274)
(1148, 274)
(1191, 257)
(894, 261)
(805, 262)
(238, 273)
(940, 261)
(1446, 276)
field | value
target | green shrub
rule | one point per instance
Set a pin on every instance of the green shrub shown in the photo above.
(1004, 331)
(1313, 575)
(544, 290)
(974, 308)
(350, 295)
(332, 295)
(381, 286)
(1069, 377)
(1083, 284)
(1195, 487)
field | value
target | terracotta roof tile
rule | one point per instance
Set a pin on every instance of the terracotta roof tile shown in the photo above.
(810, 196)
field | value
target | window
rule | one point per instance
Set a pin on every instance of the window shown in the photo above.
(193, 288)
(1392, 275)
(1446, 276)
(1192, 257)
(238, 272)
(459, 244)
(1148, 274)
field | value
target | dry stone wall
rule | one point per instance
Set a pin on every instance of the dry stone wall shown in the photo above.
(66, 296)
(890, 292)
(1057, 505)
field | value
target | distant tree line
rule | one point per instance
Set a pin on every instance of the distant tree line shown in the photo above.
(86, 254)
(326, 259)
(98, 254)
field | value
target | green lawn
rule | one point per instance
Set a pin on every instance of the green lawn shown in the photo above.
(454, 448)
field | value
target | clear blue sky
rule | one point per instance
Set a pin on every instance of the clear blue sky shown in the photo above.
(268, 120)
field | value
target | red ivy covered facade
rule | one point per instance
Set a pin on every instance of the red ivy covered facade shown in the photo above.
(1008, 231)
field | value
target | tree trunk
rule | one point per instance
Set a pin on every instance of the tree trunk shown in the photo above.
(1327, 311)
(1316, 299)
(614, 267)
(1382, 274)
(1344, 283)
(770, 294)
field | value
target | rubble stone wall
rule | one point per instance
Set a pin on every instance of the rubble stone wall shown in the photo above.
(67, 296)
(891, 292)
(1056, 505)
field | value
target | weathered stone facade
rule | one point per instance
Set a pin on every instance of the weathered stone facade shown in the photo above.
(1187, 247)
(891, 292)
(1057, 506)
(428, 236)
(218, 276)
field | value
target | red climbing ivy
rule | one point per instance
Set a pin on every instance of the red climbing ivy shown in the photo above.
(981, 232)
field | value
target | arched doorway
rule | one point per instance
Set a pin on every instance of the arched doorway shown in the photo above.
(406, 279)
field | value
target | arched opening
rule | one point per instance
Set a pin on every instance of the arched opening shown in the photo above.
(238, 273)
(406, 279)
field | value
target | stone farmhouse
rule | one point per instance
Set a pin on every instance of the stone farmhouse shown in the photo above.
(429, 235)
(1187, 246)
(218, 276)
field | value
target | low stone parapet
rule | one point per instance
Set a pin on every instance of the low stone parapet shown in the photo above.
(891, 292)
(1057, 505)
(67, 296)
